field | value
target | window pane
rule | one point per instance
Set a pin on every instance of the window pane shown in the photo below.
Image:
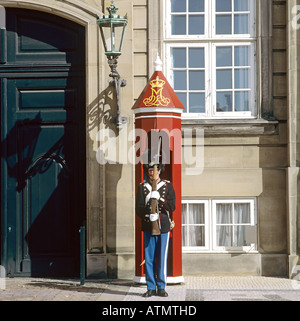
(223, 24)
(197, 236)
(241, 78)
(224, 56)
(241, 56)
(196, 25)
(179, 80)
(224, 79)
(196, 80)
(184, 235)
(197, 103)
(178, 25)
(182, 97)
(196, 213)
(196, 57)
(178, 5)
(239, 236)
(241, 24)
(224, 236)
(196, 6)
(224, 215)
(242, 213)
(224, 101)
(241, 5)
(184, 213)
(223, 5)
(179, 57)
(193, 236)
(242, 101)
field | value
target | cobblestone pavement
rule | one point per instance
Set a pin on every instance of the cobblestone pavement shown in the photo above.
(194, 288)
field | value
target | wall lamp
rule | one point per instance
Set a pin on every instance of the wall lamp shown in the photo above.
(112, 28)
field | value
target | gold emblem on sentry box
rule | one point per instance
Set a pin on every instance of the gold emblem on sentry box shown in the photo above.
(156, 98)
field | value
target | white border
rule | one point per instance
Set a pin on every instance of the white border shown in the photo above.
(158, 116)
(158, 110)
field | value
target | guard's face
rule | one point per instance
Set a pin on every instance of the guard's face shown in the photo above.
(151, 172)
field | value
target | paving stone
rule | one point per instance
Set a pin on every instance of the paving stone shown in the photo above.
(194, 288)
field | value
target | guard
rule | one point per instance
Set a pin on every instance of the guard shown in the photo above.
(161, 193)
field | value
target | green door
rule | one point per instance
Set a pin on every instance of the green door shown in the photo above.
(42, 87)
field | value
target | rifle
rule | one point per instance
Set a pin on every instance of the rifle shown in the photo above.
(154, 203)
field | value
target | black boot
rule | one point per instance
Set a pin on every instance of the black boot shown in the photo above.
(149, 293)
(162, 292)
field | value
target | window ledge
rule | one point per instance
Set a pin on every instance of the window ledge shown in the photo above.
(233, 127)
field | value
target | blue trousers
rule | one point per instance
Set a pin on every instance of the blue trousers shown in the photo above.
(156, 247)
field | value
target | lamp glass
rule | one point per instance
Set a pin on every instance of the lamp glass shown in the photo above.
(112, 34)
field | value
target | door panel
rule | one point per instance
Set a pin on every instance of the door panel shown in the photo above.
(43, 39)
(43, 147)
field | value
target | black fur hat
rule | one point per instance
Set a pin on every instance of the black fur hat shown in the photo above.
(151, 159)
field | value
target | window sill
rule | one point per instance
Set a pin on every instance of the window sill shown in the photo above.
(233, 127)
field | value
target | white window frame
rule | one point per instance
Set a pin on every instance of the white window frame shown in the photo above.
(210, 226)
(206, 227)
(210, 41)
(214, 224)
(252, 22)
(252, 100)
(210, 80)
(209, 24)
(207, 76)
(168, 22)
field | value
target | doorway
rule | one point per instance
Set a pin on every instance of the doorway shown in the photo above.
(43, 171)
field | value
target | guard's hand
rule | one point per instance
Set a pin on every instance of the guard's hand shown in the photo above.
(154, 217)
(155, 195)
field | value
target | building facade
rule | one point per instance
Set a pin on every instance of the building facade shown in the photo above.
(234, 66)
